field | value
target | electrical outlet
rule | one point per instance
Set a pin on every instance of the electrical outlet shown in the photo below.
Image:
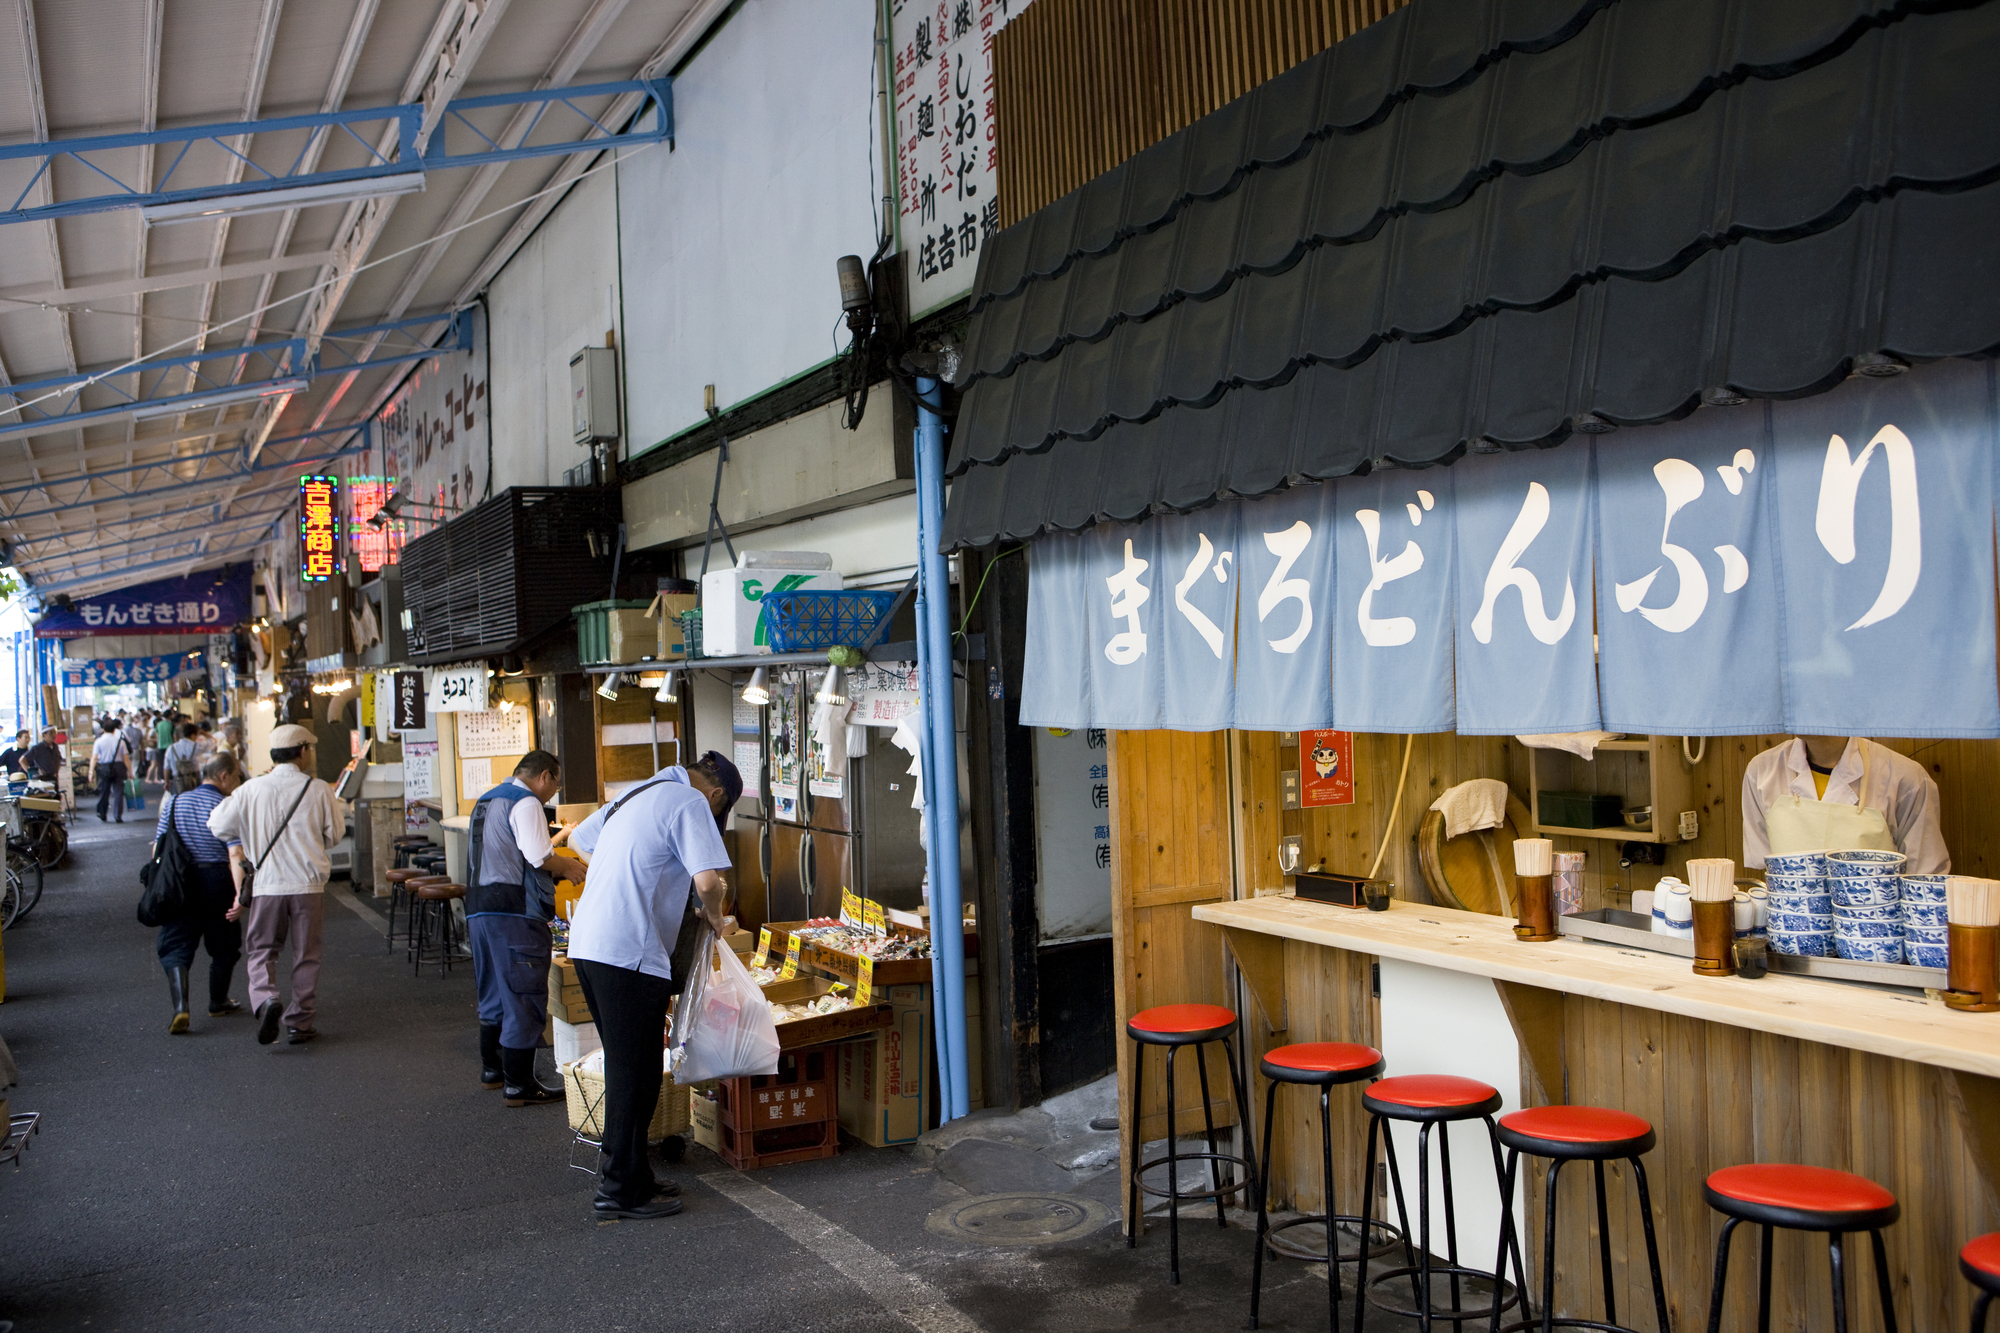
(1690, 826)
(1289, 789)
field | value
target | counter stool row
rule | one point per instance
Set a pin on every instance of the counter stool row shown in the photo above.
(1772, 1196)
(425, 893)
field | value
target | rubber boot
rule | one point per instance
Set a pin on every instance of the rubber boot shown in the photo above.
(523, 1088)
(491, 1072)
(220, 1005)
(177, 987)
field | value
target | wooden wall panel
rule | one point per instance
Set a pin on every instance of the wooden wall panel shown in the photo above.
(1081, 85)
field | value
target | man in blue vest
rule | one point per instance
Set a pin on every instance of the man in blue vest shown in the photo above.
(507, 911)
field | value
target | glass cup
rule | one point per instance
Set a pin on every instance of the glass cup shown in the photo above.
(1376, 893)
(1752, 959)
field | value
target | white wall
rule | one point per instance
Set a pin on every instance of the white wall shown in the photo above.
(729, 242)
(557, 294)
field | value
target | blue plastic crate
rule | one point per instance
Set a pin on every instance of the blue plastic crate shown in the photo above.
(811, 622)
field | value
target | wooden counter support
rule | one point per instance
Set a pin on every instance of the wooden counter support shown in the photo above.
(1261, 960)
(1728, 1070)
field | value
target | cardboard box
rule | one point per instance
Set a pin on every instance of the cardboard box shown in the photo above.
(566, 1000)
(732, 611)
(741, 942)
(882, 1086)
(631, 635)
(706, 1117)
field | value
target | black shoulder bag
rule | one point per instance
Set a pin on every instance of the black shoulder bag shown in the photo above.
(164, 879)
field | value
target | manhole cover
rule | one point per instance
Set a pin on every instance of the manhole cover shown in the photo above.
(1019, 1219)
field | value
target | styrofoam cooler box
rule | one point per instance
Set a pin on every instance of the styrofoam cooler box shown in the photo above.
(732, 610)
(574, 1040)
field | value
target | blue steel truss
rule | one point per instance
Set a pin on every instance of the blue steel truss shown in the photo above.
(105, 155)
(283, 359)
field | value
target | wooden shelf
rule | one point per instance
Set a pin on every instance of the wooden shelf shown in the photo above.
(1619, 834)
(1647, 770)
(1637, 747)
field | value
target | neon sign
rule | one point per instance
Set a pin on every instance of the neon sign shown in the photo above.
(319, 528)
(373, 547)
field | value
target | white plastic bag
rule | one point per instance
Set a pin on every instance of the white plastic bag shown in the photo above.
(729, 1030)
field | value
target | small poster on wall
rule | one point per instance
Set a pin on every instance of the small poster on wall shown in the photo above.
(1326, 768)
(420, 770)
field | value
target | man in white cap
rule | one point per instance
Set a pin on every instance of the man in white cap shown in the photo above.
(280, 828)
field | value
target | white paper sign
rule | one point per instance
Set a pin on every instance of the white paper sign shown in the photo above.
(475, 777)
(491, 732)
(455, 689)
(420, 770)
(881, 694)
(947, 145)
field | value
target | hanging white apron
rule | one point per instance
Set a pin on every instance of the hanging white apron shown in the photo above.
(1793, 824)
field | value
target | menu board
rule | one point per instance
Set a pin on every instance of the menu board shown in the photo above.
(420, 770)
(490, 732)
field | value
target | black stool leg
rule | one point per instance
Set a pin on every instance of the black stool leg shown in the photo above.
(1367, 1216)
(1836, 1253)
(1721, 1276)
(1450, 1217)
(1767, 1245)
(1652, 1245)
(1133, 1216)
(1549, 1244)
(1979, 1311)
(1208, 1122)
(1510, 1239)
(1423, 1301)
(1604, 1245)
(1242, 1091)
(1173, 1180)
(1882, 1282)
(1263, 1203)
(1507, 1171)
(1332, 1208)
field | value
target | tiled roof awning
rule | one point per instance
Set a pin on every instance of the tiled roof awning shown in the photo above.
(1480, 224)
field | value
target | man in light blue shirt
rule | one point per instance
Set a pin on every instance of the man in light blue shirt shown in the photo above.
(654, 854)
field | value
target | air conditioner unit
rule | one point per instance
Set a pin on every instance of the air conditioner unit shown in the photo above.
(593, 395)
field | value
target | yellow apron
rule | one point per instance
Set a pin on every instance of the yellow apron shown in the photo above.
(1794, 824)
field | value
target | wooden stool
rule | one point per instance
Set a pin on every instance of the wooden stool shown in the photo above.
(1980, 1262)
(1431, 1100)
(433, 909)
(399, 893)
(1801, 1198)
(1174, 1026)
(1324, 1065)
(410, 903)
(1591, 1134)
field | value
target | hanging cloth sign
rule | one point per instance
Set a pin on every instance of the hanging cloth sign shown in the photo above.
(1284, 620)
(1687, 579)
(1523, 635)
(209, 601)
(458, 689)
(1122, 611)
(1393, 621)
(1055, 682)
(94, 672)
(1885, 513)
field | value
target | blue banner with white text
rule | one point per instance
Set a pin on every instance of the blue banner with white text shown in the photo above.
(209, 601)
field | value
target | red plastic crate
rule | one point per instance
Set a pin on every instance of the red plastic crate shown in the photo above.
(772, 1119)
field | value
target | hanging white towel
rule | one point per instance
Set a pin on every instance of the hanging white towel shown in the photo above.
(1478, 804)
(1582, 744)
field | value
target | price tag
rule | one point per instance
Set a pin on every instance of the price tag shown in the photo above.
(864, 982)
(873, 920)
(762, 957)
(850, 908)
(791, 967)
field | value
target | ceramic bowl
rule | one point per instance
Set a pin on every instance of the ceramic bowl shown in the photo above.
(1795, 883)
(1872, 891)
(1850, 928)
(1813, 944)
(1924, 888)
(1819, 904)
(1868, 951)
(1800, 923)
(1864, 862)
(1796, 863)
(1929, 915)
(1927, 934)
(1926, 955)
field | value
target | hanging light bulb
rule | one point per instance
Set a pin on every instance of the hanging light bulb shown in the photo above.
(506, 704)
(829, 687)
(612, 684)
(758, 691)
(669, 691)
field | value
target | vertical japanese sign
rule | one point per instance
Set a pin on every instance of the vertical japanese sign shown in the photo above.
(1072, 833)
(1326, 768)
(457, 689)
(433, 434)
(947, 154)
(409, 702)
(373, 547)
(319, 528)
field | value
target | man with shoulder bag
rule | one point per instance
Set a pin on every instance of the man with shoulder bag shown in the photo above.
(280, 829)
(110, 760)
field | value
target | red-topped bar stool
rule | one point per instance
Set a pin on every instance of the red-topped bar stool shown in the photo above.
(1174, 1026)
(1980, 1262)
(1801, 1198)
(1591, 1134)
(1430, 1100)
(1324, 1065)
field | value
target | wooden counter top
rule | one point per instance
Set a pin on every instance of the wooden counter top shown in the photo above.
(1883, 1022)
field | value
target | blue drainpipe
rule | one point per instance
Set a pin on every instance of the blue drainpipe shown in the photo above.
(940, 756)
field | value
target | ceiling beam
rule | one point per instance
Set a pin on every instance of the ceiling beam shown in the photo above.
(168, 280)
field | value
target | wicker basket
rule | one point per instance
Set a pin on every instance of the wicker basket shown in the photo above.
(585, 1094)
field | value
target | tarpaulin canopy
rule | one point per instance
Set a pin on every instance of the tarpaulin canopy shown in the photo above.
(210, 600)
(1481, 225)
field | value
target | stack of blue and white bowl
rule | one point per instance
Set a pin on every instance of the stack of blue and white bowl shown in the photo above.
(1800, 919)
(1867, 905)
(1924, 927)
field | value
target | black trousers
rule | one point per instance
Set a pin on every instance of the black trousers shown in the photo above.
(205, 924)
(631, 1012)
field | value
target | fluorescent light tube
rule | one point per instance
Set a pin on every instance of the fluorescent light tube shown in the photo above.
(275, 201)
(247, 393)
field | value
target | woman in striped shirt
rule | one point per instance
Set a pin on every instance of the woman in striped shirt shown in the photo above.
(209, 898)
